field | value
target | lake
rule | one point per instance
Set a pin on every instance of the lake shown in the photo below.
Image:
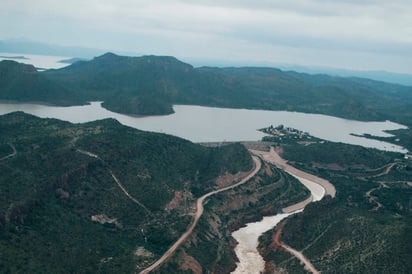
(207, 124)
(39, 61)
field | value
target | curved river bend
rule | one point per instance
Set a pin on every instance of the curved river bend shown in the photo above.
(247, 237)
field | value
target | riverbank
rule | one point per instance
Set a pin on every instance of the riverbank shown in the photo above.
(250, 261)
(371, 215)
(273, 157)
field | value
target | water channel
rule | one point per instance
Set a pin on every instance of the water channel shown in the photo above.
(250, 261)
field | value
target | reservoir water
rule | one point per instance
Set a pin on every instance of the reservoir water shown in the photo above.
(207, 124)
(39, 61)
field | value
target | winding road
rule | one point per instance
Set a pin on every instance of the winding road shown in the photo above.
(199, 212)
(11, 154)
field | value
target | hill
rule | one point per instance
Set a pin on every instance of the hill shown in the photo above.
(364, 229)
(21, 82)
(144, 86)
(98, 197)
(150, 85)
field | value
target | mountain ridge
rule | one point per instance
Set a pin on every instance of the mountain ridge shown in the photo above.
(150, 85)
(35, 47)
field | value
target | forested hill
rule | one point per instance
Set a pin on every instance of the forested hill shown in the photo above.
(63, 206)
(23, 82)
(150, 85)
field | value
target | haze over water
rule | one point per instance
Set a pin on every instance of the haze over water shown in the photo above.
(39, 61)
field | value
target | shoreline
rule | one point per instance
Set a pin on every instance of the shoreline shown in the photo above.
(296, 207)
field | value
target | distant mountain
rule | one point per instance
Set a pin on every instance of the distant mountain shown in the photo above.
(150, 85)
(34, 47)
(385, 76)
(21, 82)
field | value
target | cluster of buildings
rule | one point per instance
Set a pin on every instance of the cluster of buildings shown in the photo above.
(281, 131)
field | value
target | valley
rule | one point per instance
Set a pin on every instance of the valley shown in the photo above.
(206, 137)
(104, 197)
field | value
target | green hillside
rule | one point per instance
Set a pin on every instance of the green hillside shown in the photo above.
(21, 82)
(63, 211)
(366, 228)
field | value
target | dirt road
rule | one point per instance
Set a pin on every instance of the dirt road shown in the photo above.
(119, 184)
(308, 265)
(11, 154)
(385, 172)
(199, 212)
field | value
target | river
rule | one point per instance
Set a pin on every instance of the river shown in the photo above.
(250, 261)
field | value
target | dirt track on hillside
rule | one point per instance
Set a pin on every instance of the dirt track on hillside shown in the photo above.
(11, 154)
(199, 212)
(308, 265)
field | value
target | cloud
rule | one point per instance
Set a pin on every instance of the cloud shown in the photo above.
(219, 29)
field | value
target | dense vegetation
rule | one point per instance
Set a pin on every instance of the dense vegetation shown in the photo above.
(341, 155)
(23, 82)
(366, 228)
(63, 212)
(211, 248)
(151, 85)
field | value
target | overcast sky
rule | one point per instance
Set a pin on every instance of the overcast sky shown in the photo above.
(354, 34)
